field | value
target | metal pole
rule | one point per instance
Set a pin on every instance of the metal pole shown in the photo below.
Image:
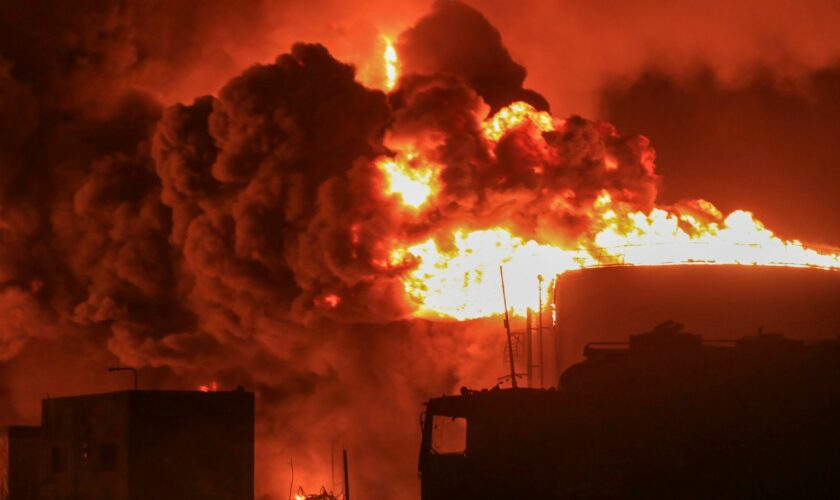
(507, 327)
(540, 330)
(529, 354)
(346, 476)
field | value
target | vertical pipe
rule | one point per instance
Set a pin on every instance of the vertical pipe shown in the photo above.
(507, 327)
(555, 331)
(346, 476)
(540, 330)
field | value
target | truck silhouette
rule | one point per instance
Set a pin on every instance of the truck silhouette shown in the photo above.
(663, 415)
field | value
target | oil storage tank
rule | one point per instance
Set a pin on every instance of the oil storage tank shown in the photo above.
(608, 304)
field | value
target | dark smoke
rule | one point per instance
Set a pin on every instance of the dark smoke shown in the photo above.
(191, 243)
(458, 40)
(197, 240)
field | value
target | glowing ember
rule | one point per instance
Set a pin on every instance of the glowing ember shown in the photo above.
(413, 181)
(391, 64)
(328, 301)
(455, 273)
(332, 300)
(211, 387)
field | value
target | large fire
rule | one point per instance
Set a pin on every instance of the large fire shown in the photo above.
(318, 221)
(455, 274)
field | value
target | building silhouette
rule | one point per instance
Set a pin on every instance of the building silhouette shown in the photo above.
(134, 445)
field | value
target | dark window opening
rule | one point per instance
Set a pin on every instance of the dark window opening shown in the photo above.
(58, 459)
(108, 456)
(449, 435)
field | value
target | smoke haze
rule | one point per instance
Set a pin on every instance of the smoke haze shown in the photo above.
(176, 196)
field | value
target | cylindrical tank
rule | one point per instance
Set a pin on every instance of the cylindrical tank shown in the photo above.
(717, 301)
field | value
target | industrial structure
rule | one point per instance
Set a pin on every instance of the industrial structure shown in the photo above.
(665, 415)
(135, 445)
(720, 301)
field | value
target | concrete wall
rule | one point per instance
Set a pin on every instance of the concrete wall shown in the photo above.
(142, 445)
(21, 461)
(26, 460)
(192, 445)
(77, 433)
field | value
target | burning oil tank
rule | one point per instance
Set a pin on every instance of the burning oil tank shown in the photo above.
(663, 415)
(718, 301)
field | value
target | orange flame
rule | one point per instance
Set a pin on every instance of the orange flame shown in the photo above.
(456, 274)
(391, 63)
(409, 178)
(515, 115)
(463, 283)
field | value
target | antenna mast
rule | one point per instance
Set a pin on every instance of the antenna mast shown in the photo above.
(507, 328)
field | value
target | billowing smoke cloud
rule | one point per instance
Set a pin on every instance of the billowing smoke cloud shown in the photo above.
(249, 175)
(539, 187)
(208, 240)
(457, 39)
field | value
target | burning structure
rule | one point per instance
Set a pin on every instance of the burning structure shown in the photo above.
(134, 445)
(301, 220)
(664, 415)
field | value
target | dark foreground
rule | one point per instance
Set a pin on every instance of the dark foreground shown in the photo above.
(664, 415)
